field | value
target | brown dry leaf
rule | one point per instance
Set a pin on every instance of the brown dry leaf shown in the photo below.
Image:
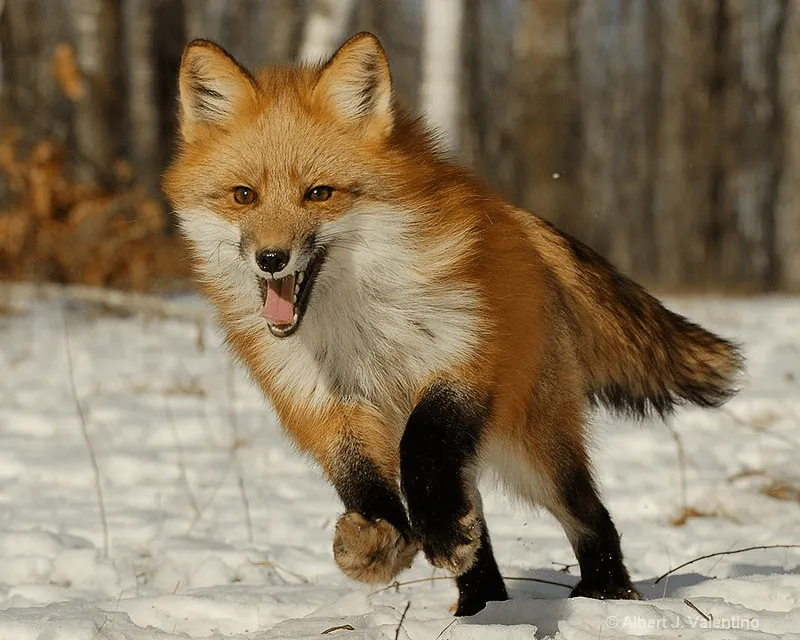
(15, 226)
(783, 490)
(10, 164)
(68, 232)
(67, 72)
(123, 171)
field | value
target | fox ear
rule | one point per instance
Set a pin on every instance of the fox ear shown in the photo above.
(213, 88)
(357, 84)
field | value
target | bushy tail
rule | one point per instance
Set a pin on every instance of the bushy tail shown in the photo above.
(638, 356)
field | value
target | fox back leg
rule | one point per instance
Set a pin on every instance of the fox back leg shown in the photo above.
(547, 464)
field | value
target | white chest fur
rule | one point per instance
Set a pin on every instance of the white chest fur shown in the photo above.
(380, 321)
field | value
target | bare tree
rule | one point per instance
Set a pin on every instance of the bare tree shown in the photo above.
(94, 25)
(440, 93)
(543, 111)
(688, 139)
(143, 110)
(787, 214)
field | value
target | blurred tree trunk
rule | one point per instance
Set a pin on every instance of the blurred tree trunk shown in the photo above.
(193, 19)
(5, 105)
(440, 93)
(750, 167)
(94, 24)
(787, 214)
(399, 27)
(618, 96)
(546, 129)
(143, 111)
(325, 28)
(490, 130)
(688, 139)
(31, 29)
(282, 31)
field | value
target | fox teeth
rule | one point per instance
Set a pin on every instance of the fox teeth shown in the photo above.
(294, 317)
(296, 289)
(294, 299)
(300, 277)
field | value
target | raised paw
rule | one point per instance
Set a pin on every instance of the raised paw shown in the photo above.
(454, 548)
(371, 551)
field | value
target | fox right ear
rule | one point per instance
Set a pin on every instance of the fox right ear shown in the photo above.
(357, 85)
(213, 88)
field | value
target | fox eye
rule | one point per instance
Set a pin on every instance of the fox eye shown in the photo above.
(244, 195)
(319, 194)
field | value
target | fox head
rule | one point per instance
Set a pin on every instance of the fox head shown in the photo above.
(269, 167)
(306, 175)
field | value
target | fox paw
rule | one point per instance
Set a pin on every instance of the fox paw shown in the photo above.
(371, 551)
(622, 591)
(455, 548)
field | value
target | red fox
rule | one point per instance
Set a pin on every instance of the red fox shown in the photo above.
(409, 326)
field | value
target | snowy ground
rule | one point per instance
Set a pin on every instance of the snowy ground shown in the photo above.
(216, 529)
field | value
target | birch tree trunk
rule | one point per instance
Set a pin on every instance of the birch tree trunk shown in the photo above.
(325, 28)
(440, 93)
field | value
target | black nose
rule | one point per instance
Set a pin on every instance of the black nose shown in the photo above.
(272, 260)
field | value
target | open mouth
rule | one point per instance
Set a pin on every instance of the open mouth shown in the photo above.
(286, 299)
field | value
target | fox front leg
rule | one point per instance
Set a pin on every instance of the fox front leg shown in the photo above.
(373, 540)
(438, 469)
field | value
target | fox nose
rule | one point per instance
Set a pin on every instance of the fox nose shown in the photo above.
(272, 260)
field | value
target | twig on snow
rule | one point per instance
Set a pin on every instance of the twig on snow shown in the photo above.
(540, 580)
(725, 553)
(402, 618)
(86, 438)
(396, 584)
(341, 627)
(691, 604)
(441, 633)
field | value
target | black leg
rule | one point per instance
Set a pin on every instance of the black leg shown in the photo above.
(483, 582)
(595, 540)
(373, 540)
(438, 465)
(363, 490)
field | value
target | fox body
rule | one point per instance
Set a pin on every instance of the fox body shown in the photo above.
(408, 325)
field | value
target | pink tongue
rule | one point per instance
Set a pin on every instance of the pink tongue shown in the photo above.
(279, 308)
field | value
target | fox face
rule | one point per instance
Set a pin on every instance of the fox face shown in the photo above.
(303, 194)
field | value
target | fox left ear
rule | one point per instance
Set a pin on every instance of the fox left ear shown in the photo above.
(214, 88)
(357, 84)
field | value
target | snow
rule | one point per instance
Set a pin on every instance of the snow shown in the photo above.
(217, 529)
